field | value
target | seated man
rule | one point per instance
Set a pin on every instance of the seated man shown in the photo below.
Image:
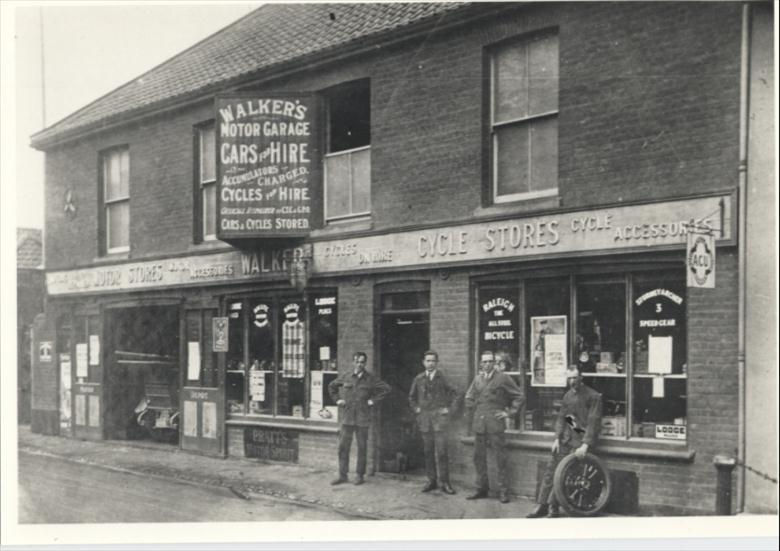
(576, 430)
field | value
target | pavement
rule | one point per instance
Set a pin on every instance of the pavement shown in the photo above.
(383, 496)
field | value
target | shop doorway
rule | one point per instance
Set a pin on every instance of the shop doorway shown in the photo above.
(142, 375)
(403, 338)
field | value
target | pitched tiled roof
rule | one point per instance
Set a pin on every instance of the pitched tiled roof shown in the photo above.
(29, 250)
(275, 34)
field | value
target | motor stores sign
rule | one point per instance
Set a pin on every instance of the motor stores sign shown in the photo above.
(266, 166)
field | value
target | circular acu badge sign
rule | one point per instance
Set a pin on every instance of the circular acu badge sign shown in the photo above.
(700, 260)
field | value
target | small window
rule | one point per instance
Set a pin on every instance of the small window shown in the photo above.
(116, 199)
(348, 157)
(524, 119)
(206, 218)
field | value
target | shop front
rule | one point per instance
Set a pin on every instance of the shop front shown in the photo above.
(237, 361)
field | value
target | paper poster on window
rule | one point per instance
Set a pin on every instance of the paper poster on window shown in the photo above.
(81, 409)
(315, 403)
(82, 369)
(94, 411)
(190, 418)
(94, 350)
(209, 420)
(193, 361)
(658, 387)
(659, 354)
(548, 351)
(324, 353)
(257, 386)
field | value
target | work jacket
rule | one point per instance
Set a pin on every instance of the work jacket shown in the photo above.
(432, 396)
(489, 395)
(579, 419)
(356, 392)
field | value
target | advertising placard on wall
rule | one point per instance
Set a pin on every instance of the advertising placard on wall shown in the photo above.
(267, 165)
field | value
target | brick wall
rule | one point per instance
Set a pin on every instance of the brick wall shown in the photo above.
(648, 109)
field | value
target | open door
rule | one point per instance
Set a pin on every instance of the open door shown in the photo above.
(202, 399)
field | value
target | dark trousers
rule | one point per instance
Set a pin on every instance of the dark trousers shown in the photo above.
(546, 495)
(345, 443)
(435, 446)
(496, 441)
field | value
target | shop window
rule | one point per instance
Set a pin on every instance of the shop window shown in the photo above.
(591, 321)
(348, 158)
(206, 189)
(281, 355)
(660, 359)
(547, 305)
(524, 119)
(115, 198)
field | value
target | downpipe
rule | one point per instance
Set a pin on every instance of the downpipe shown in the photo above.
(742, 257)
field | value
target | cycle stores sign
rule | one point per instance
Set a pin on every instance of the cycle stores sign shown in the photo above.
(267, 159)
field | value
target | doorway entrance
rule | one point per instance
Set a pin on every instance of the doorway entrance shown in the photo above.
(142, 379)
(404, 331)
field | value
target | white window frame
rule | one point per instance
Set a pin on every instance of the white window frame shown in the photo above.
(529, 120)
(351, 215)
(107, 155)
(203, 185)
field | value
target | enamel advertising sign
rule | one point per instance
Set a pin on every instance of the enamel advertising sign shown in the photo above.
(267, 166)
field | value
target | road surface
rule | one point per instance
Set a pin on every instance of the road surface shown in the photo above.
(52, 490)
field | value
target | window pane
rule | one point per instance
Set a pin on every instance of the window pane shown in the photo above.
(660, 355)
(234, 358)
(349, 115)
(116, 174)
(544, 154)
(543, 75)
(262, 364)
(600, 348)
(207, 154)
(290, 378)
(510, 81)
(337, 174)
(542, 298)
(209, 210)
(361, 181)
(124, 173)
(118, 223)
(323, 355)
(511, 144)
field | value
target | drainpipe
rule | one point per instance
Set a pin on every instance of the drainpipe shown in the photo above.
(742, 224)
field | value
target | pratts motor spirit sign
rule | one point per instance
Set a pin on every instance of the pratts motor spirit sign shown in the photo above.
(267, 166)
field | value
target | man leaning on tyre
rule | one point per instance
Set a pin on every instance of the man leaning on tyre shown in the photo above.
(577, 428)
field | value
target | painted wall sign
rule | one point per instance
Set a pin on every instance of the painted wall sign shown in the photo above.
(619, 229)
(700, 260)
(267, 156)
(44, 351)
(273, 444)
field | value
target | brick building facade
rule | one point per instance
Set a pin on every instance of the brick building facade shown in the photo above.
(638, 117)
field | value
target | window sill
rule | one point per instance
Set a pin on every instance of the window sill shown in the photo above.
(645, 449)
(308, 425)
(528, 205)
(211, 244)
(111, 257)
(344, 226)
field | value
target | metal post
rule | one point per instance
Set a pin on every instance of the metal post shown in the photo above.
(725, 465)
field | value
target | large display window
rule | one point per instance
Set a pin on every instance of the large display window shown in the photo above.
(626, 331)
(282, 355)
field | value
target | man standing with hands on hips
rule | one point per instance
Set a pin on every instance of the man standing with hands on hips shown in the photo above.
(492, 397)
(355, 393)
(432, 398)
(576, 430)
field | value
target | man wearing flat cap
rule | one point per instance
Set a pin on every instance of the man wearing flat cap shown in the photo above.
(576, 431)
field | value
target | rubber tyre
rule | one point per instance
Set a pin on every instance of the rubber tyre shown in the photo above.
(606, 491)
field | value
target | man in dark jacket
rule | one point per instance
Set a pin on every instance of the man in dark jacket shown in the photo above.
(432, 398)
(492, 397)
(355, 393)
(576, 430)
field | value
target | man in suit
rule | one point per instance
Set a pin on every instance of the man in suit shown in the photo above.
(492, 397)
(432, 398)
(355, 393)
(576, 430)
